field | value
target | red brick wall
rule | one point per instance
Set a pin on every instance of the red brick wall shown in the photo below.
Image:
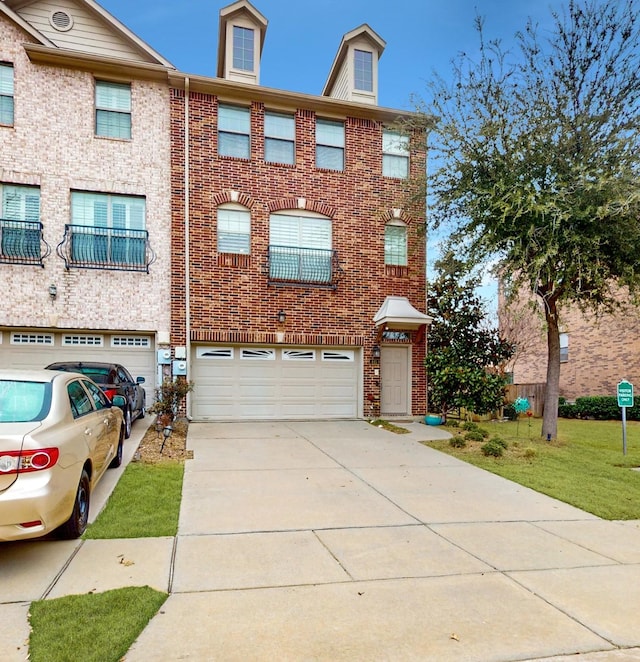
(231, 300)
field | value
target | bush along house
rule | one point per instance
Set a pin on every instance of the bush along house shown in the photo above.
(298, 267)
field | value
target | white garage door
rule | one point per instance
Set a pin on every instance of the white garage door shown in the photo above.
(260, 383)
(36, 349)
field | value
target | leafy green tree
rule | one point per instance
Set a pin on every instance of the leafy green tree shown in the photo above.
(464, 354)
(537, 162)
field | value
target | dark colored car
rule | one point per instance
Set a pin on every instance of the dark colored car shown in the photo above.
(113, 379)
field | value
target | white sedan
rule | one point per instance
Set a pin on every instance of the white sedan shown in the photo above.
(58, 435)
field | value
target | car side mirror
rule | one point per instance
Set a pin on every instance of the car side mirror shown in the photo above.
(119, 401)
(140, 380)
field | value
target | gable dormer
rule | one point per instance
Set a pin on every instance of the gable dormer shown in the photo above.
(240, 40)
(354, 73)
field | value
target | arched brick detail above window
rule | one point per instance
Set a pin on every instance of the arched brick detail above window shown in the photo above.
(233, 196)
(396, 214)
(303, 204)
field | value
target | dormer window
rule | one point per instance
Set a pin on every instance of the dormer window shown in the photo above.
(363, 70)
(242, 48)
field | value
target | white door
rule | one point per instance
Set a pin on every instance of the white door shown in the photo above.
(394, 381)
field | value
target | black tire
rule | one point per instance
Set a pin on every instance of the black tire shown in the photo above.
(76, 525)
(117, 460)
(143, 411)
(127, 422)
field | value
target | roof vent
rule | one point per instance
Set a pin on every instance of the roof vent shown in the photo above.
(61, 20)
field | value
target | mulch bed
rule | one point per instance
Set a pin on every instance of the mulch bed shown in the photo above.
(174, 448)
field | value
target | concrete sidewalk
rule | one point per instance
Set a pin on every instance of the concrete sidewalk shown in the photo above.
(341, 541)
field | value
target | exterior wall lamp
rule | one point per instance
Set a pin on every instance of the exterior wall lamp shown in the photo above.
(282, 317)
(375, 353)
(53, 291)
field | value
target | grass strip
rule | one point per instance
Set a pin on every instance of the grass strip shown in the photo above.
(94, 627)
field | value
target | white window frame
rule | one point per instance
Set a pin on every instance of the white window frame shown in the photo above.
(233, 229)
(395, 154)
(279, 138)
(131, 342)
(564, 347)
(348, 355)
(298, 354)
(257, 354)
(243, 56)
(20, 227)
(362, 70)
(395, 244)
(18, 338)
(234, 131)
(330, 145)
(7, 100)
(215, 353)
(81, 340)
(113, 110)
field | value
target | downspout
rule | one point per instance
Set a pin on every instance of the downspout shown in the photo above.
(187, 273)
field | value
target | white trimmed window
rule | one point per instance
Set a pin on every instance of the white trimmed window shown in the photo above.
(395, 244)
(564, 347)
(395, 154)
(109, 229)
(6, 93)
(225, 353)
(279, 138)
(113, 110)
(234, 229)
(234, 131)
(329, 145)
(363, 70)
(20, 227)
(243, 40)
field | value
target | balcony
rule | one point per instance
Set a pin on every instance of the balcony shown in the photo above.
(312, 267)
(90, 247)
(22, 242)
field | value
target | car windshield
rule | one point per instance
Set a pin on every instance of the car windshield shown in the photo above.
(22, 401)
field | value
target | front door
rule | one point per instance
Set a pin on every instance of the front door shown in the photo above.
(394, 380)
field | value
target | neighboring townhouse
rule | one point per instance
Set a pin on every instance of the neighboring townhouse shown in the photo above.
(298, 265)
(85, 246)
(595, 352)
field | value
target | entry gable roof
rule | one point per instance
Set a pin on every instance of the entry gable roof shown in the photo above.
(399, 313)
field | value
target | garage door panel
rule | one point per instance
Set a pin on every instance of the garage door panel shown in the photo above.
(291, 383)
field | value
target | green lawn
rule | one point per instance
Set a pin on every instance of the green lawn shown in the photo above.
(584, 467)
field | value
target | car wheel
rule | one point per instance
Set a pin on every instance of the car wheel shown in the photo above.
(127, 423)
(142, 412)
(117, 460)
(76, 525)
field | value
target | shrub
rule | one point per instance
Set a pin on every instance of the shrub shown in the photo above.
(509, 412)
(452, 423)
(470, 426)
(474, 435)
(500, 441)
(492, 448)
(457, 442)
(169, 397)
(530, 453)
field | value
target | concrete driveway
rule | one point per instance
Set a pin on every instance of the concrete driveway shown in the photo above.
(341, 541)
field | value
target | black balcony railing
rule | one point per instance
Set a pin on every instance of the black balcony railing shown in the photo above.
(303, 266)
(22, 242)
(89, 247)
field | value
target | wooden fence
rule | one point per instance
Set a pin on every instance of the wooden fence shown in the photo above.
(534, 393)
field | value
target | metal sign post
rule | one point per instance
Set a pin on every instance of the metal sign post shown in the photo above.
(625, 399)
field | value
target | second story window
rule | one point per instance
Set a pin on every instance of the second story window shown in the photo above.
(363, 70)
(113, 110)
(20, 227)
(107, 230)
(564, 347)
(329, 145)
(234, 131)
(395, 154)
(242, 48)
(234, 230)
(6, 94)
(395, 244)
(279, 138)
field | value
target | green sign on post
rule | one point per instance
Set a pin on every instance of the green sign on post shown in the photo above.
(625, 394)
(625, 399)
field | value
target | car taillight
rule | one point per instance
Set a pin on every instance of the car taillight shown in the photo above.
(18, 462)
(110, 392)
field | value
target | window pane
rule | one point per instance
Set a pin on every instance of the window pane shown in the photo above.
(279, 151)
(330, 133)
(113, 125)
(279, 126)
(395, 143)
(233, 119)
(6, 94)
(242, 48)
(330, 158)
(113, 96)
(363, 70)
(233, 144)
(6, 110)
(234, 227)
(395, 166)
(21, 203)
(395, 245)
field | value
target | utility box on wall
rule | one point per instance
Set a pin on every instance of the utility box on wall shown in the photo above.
(179, 368)
(164, 356)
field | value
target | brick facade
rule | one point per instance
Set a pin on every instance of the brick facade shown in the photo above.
(230, 298)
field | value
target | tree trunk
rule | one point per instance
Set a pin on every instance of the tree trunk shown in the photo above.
(552, 391)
